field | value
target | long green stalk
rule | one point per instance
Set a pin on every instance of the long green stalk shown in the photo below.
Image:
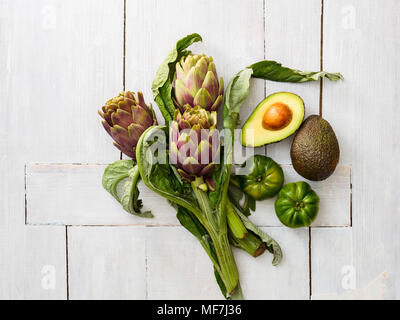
(235, 224)
(216, 226)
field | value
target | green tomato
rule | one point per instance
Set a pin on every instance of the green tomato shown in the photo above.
(297, 205)
(265, 177)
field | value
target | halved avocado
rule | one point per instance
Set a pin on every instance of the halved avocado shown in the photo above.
(275, 118)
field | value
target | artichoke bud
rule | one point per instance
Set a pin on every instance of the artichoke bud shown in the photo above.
(194, 141)
(197, 84)
(125, 118)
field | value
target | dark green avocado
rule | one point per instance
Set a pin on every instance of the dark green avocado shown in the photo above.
(315, 149)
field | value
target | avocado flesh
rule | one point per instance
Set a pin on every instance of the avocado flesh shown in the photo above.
(315, 149)
(254, 134)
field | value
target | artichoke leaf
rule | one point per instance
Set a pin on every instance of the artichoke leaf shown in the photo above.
(236, 93)
(114, 174)
(156, 173)
(274, 71)
(127, 170)
(239, 199)
(130, 196)
(162, 83)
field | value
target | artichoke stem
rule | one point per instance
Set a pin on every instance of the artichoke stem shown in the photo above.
(219, 236)
(235, 224)
(251, 244)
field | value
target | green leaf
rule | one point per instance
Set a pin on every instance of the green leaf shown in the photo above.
(153, 163)
(274, 71)
(272, 246)
(239, 199)
(190, 222)
(237, 92)
(220, 283)
(162, 83)
(130, 196)
(114, 174)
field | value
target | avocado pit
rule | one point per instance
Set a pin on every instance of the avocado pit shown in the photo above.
(277, 116)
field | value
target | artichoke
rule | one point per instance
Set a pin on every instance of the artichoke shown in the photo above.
(194, 141)
(125, 119)
(196, 83)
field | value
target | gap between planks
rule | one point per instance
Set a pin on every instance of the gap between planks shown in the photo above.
(321, 86)
(321, 59)
(124, 58)
(309, 265)
(66, 261)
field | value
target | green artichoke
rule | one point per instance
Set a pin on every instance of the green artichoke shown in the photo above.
(196, 83)
(125, 119)
(194, 141)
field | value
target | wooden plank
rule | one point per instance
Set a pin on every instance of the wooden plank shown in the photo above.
(334, 271)
(74, 196)
(107, 262)
(32, 262)
(261, 280)
(65, 84)
(60, 65)
(178, 266)
(363, 110)
(332, 266)
(190, 274)
(292, 37)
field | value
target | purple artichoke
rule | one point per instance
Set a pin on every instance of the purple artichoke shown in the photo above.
(194, 141)
(196, 83)
(125, 119)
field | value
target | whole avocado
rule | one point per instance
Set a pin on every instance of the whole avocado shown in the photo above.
(315, 149)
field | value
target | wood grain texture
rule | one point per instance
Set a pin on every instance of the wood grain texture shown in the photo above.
(107, 262)
(332, 262)
(32, 262)
(289, 280)
(178, 266)
(335, 274)
(64, 59)
(60, 61)
(364, 112)
(293, 37)
(189, 270)
(70, 64)
(75, 197)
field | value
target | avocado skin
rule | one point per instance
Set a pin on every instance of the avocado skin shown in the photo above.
(315, 149)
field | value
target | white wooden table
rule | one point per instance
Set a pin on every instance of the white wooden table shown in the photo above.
(63, 237)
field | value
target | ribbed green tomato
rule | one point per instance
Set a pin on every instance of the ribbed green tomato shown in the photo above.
(265, 177)
(297, 205)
